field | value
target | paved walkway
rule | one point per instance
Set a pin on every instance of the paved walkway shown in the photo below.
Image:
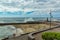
(38, 36)
(24, 37)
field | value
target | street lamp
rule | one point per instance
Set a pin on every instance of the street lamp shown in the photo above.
(50, 17)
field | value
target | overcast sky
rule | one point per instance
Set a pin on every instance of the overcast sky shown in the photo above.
(29, 8)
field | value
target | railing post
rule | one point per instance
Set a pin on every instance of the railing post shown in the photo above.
(30, 37)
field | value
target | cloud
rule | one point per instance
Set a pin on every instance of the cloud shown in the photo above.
(27, 6)
(11, 5)
(42, 6)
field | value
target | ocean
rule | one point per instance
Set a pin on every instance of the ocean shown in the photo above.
(24, 19)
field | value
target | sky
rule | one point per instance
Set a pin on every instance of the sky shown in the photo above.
(29, 8)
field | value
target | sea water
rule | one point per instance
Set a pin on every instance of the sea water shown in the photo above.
(23, 19)
(6, 31)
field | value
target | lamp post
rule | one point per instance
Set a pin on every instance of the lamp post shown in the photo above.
(50, 18)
